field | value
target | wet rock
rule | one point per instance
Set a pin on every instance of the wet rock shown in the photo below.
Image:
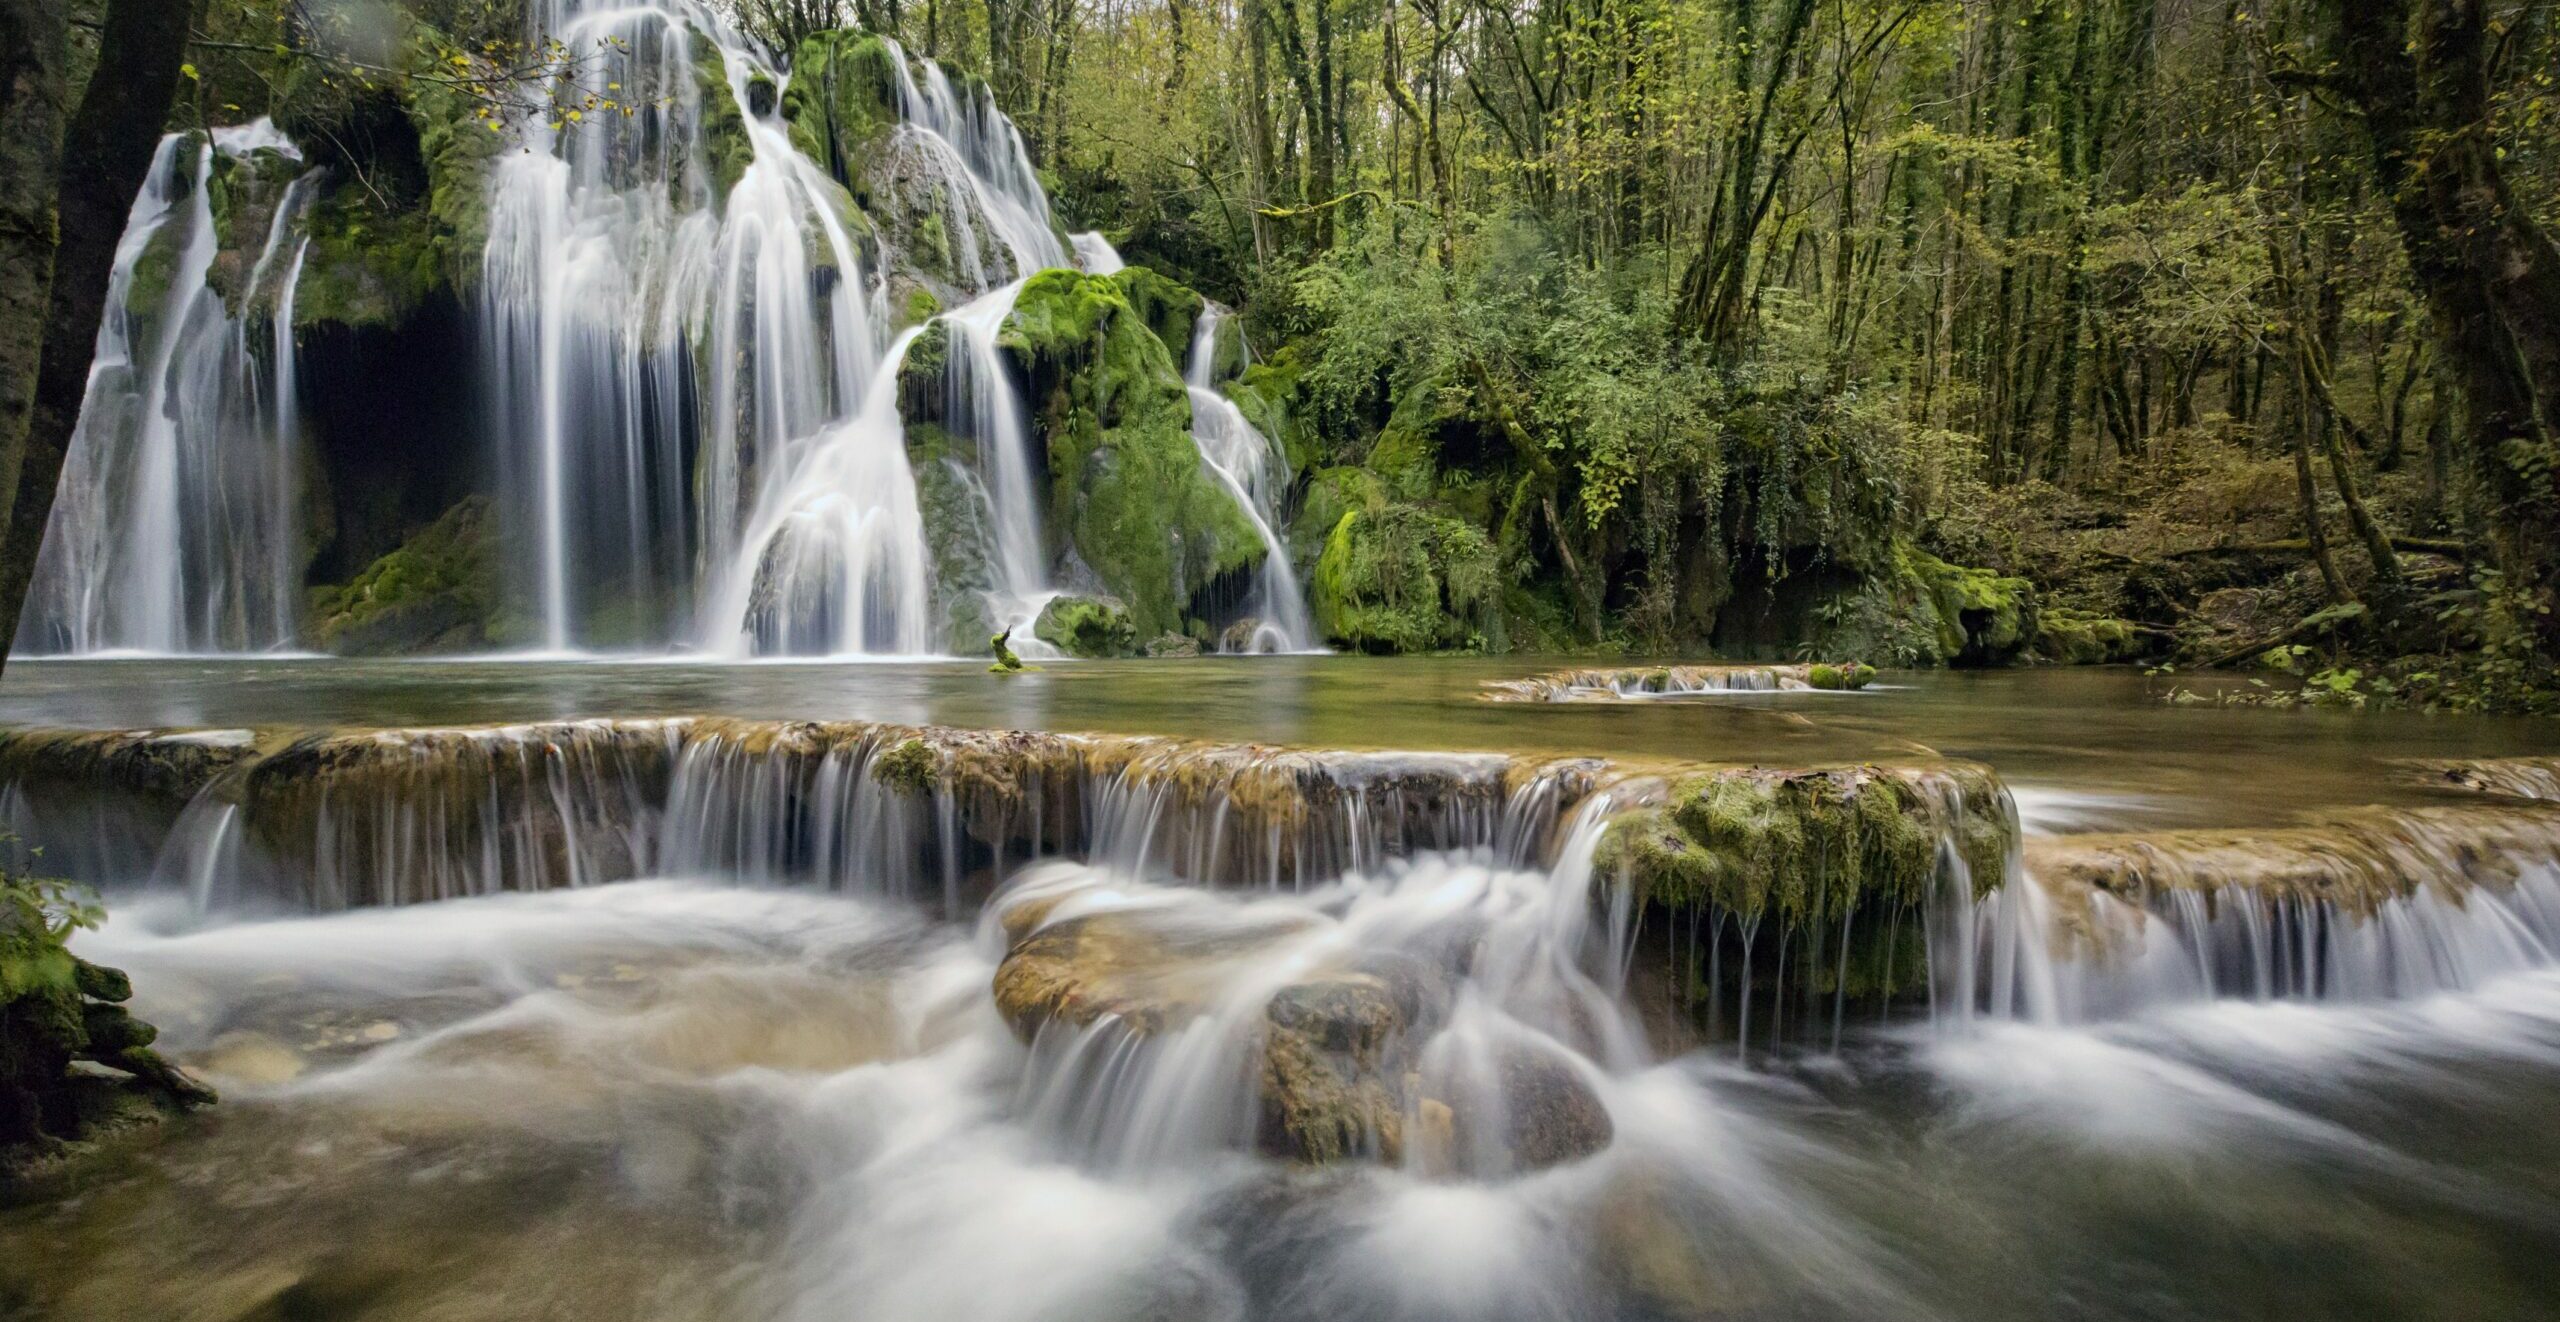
(438, 592)
(1087, 626)
(1544, 1113)
(2509, 777)
(1648, 681)
(1172, 645)
(1238, 637)
(2350, 862)
(1333, 1082)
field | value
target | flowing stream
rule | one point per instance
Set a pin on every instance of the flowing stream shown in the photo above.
(726, 1016)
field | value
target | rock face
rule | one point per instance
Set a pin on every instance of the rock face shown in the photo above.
(438, 592)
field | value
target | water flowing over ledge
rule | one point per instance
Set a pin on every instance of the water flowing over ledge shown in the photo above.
(1650, 682)
(1764, 901)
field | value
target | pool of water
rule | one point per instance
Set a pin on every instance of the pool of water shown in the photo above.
(2094, 746)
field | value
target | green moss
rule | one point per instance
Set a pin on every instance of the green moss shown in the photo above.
(727, 151)
(1809, 846)
(909, 768)
(2079, 638)
(1403, 579)
(1982, 617)
(842, 101)
(1170, 308)
(1087, 627)
(1840, 678)
(57, 1009)
(920, 307)
(1267, 393)
(436, 591)
(1127, 491)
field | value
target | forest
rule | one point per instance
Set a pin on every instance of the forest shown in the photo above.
(2195, 332)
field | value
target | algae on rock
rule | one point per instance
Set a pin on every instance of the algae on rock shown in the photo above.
(438, 591)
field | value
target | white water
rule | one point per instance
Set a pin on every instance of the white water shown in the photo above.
(630, 309)
(1253, 470)
(175, 528)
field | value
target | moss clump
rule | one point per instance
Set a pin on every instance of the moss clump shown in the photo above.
(1170, 308)
(1403, 579)
(57, 1009)
(1981, 617)
(842, 101)
(1841, 678)
(1810, 846)
(1267, 393)
(1087, 627)
(1127, 490)
(909, 768)
(727, 151)
(438, 591)
(1006, 663)
(919, 307)
(2082, 638)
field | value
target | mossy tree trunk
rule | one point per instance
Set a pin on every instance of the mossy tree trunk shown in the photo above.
(105, 152)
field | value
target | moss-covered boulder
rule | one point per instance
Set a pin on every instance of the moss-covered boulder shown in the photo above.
(1843, 678)
(1767, 859)
(1127, 492)
(1170, 308)
(1400, 578)
(1087, 626)
(56, 1010)
(2083, 638)
(438, 592)
(1981, 617)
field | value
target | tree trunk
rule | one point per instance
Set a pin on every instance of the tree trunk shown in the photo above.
(106, 152)
(32, 50)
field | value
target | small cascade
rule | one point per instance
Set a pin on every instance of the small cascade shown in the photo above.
(1434, 1012)
(994, 167)
(833, 559)
(1252, 468)
(2370, 906)
(980, 396)
(634, 314)
(176, 528)
(337, 821)
(1095, 254)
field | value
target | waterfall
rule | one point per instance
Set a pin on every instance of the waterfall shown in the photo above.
(1095, 254)
(632, 315)
(1252, 469)
(995, 168)
(175, 527)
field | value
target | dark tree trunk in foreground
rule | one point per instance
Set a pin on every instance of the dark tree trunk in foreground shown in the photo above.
(106, 151)
(2418, 71)
(33, 102)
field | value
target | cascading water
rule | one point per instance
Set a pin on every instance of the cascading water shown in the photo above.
(1251, 468)
(175, 529)
(635, 316)
(833, 555)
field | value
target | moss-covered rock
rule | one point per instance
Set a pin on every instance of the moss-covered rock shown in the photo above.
(406, 213)
(2081, 638)
(727, 151)
(1404, 579)
(1126, 488)
(1087, 626)
(909, 767)
(1267, 393)
(1981, 617)
(1810, 846)
(1170, 308)
(57, 1009)
(438, 592)
(1844, 678)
